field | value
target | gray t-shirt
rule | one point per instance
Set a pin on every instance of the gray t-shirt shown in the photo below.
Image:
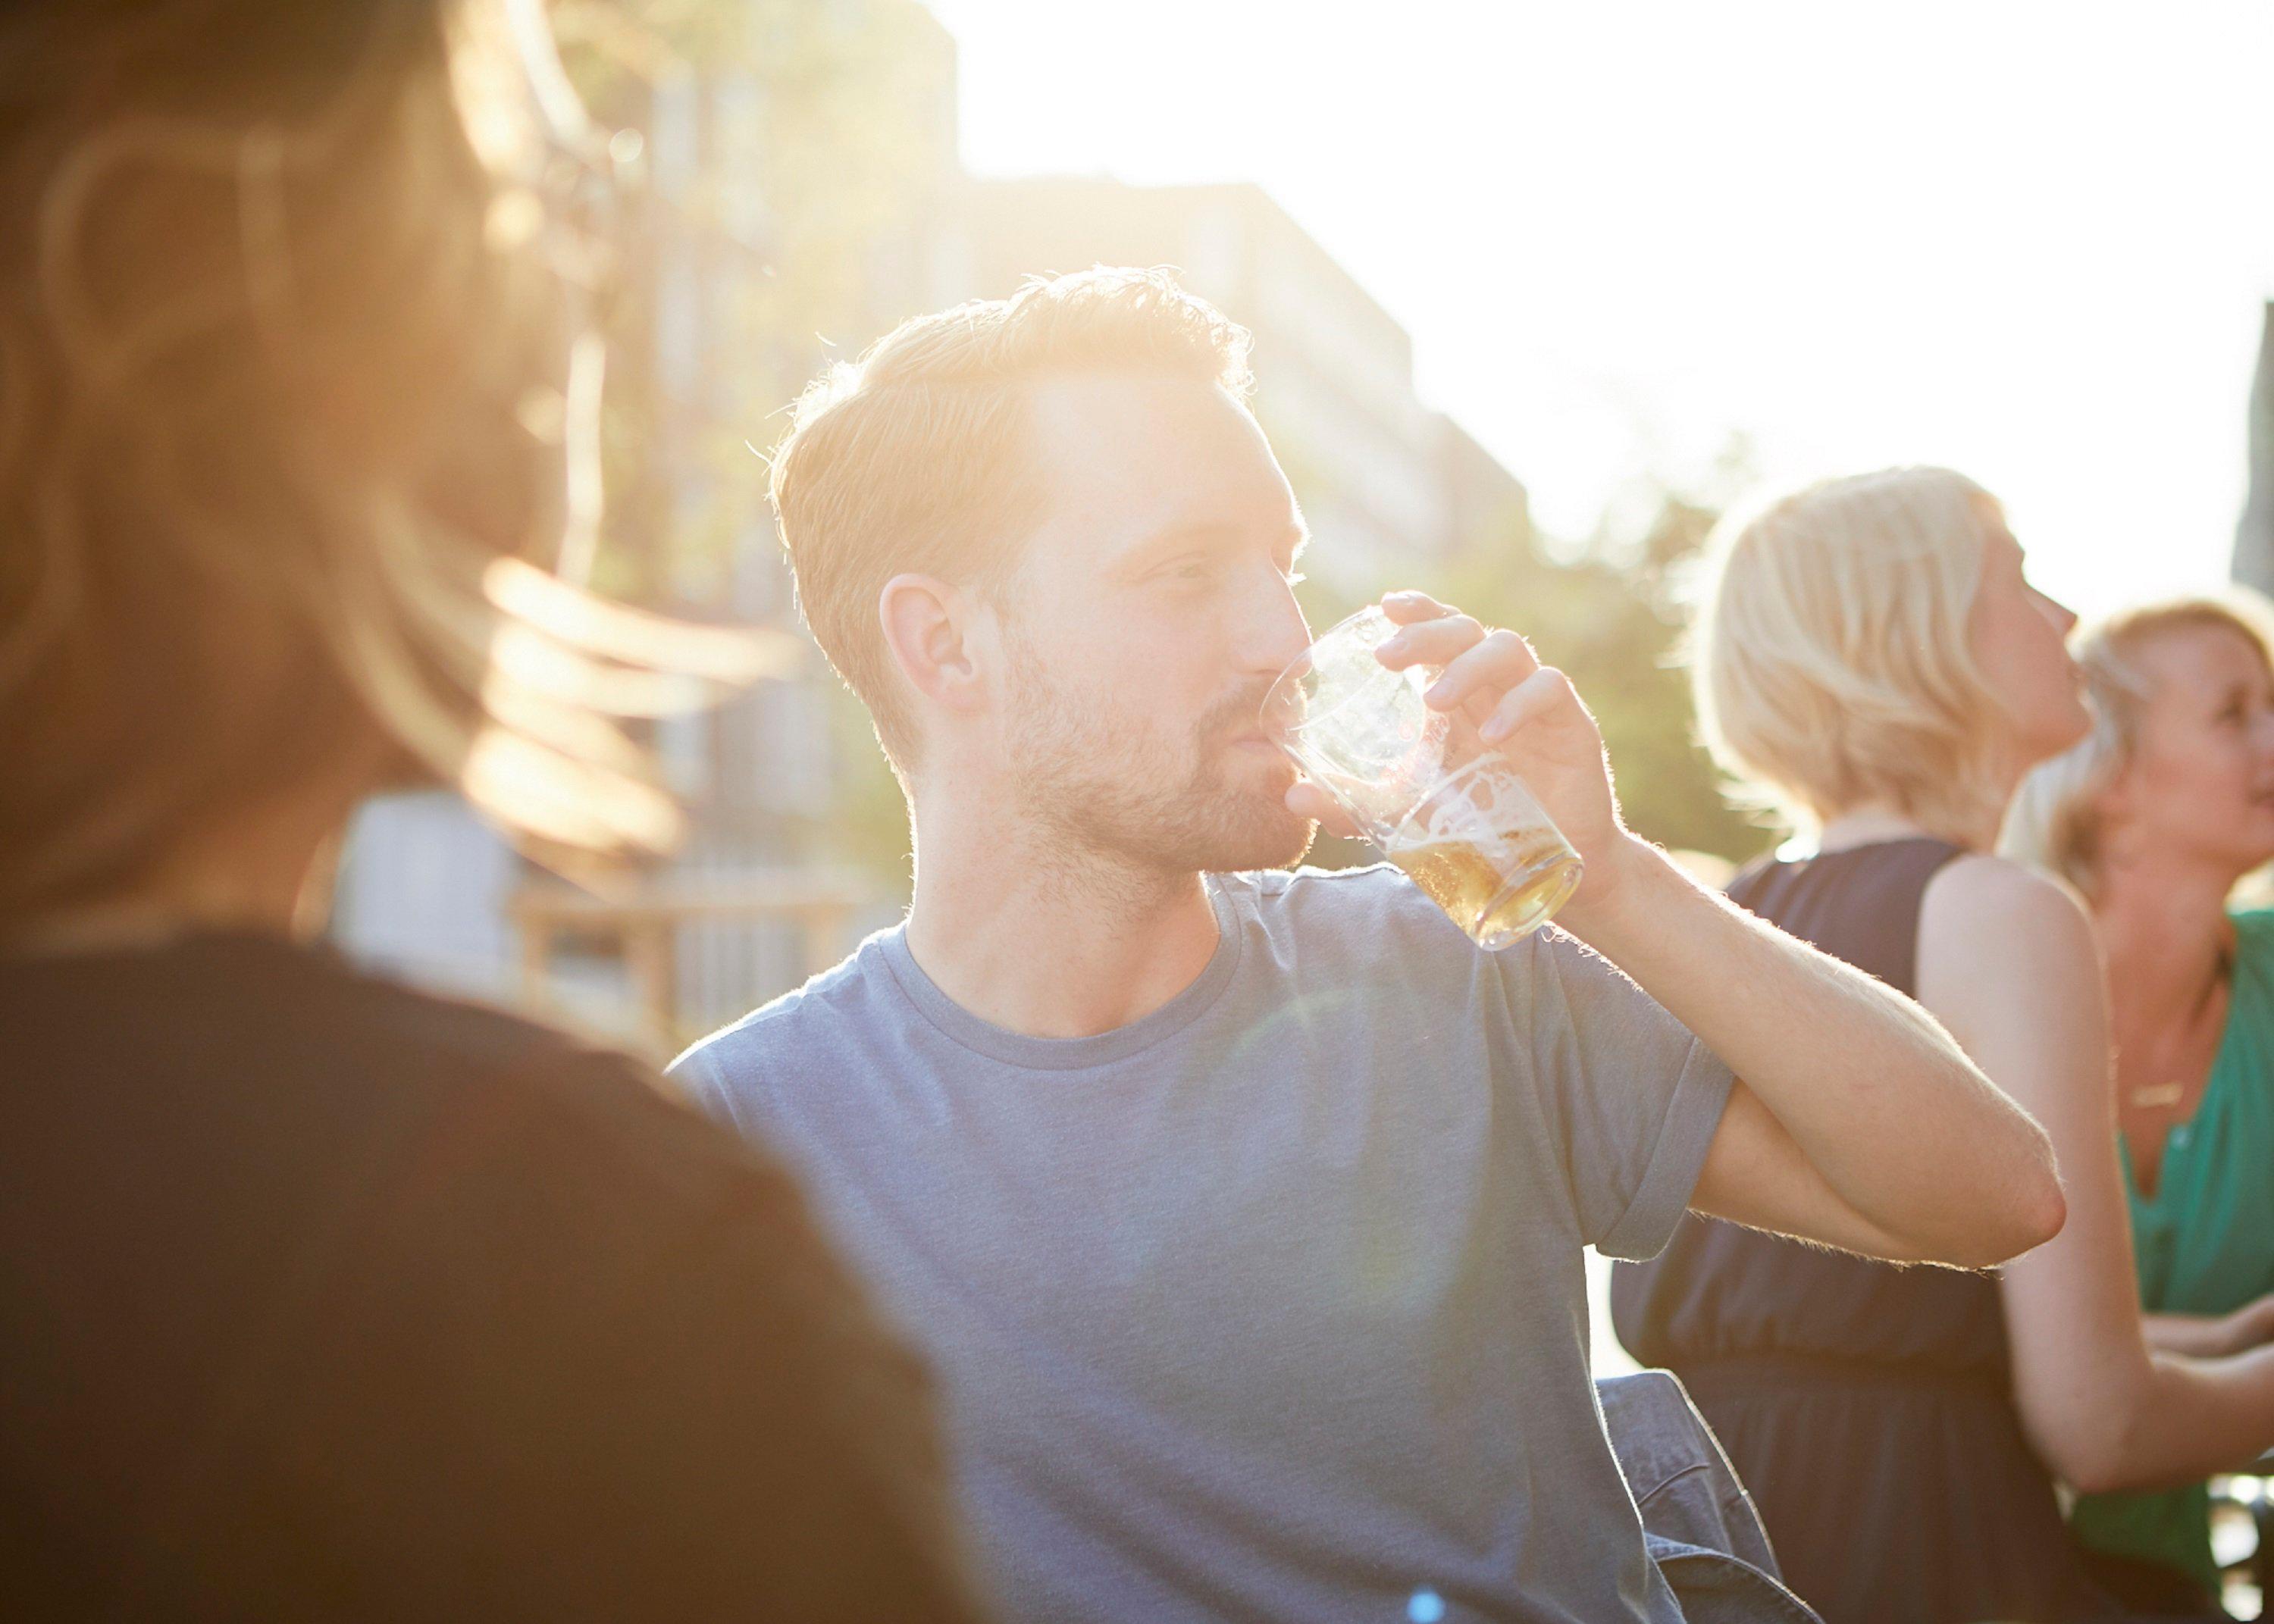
(1270, 1303)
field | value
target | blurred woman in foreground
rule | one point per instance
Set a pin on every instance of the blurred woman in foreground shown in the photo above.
(319, 1298)
(2154, 818)
(1873, 655)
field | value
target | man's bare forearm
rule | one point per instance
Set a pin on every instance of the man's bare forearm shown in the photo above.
(1879, 1097)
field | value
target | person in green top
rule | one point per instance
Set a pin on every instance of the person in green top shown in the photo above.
(2156, 817)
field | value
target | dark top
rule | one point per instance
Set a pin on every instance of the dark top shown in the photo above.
(322, 1298)
(1868, 1408)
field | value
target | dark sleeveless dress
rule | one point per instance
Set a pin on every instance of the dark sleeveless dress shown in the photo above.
(1868, 1408)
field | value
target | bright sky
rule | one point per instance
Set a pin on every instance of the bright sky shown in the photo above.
(1991, 234)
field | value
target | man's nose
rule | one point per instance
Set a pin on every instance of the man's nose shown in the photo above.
(1276, 633)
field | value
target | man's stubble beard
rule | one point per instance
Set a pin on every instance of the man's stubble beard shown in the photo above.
(1100, 791)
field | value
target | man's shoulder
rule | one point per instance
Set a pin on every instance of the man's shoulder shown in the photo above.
(809, 1023)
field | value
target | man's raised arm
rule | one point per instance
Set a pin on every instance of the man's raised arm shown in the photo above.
(1857, 1121)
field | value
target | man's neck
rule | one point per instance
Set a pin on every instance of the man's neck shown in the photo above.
(1049, 943)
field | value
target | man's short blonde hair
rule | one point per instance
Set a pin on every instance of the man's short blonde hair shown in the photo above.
(2055, 821)
(914, 458)
(1831, 666)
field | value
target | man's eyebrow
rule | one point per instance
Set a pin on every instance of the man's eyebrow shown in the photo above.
(1156, 545)
(1189, 533)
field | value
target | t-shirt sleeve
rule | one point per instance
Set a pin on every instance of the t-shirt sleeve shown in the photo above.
(695, 1075)
(1631, 1097)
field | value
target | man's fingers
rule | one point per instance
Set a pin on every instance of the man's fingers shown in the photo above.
(1407, 607)
(1501, 660)
(1541, 694)
(1436, 641)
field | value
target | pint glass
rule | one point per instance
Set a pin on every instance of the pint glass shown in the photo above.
(1447, 808)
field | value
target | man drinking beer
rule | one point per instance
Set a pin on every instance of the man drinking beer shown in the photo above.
(1242, 1211)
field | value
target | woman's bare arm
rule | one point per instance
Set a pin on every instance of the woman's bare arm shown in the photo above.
(2211, 1335)
(2007, 961)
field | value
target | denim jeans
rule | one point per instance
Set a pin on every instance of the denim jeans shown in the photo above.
(1697, 1518)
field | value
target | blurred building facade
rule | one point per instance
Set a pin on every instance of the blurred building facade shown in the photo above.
(426, 891)
(713, 343)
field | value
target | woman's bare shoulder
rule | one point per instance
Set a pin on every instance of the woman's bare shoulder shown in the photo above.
(1979, 888)
(1987, 924)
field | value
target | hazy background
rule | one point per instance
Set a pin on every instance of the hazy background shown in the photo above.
(2030, 241)
(1537, 292)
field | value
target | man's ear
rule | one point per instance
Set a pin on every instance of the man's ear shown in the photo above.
(929, 625)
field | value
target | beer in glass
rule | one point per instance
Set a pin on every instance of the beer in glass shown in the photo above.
(1444, 807)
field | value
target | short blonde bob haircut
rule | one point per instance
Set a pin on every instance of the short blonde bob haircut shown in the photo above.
(2055, 821)
(1831, 663)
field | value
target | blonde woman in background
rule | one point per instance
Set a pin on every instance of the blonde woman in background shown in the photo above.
(1873, 656)
(2154, 818)
(321, 1299)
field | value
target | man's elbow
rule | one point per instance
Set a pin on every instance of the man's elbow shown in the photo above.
(2040, 1203)
(2049, 1208)
(2029, 1209)
(2015, 1210)
(2038, 1216)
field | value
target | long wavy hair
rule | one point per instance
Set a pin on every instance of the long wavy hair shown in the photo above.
(288, 440)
